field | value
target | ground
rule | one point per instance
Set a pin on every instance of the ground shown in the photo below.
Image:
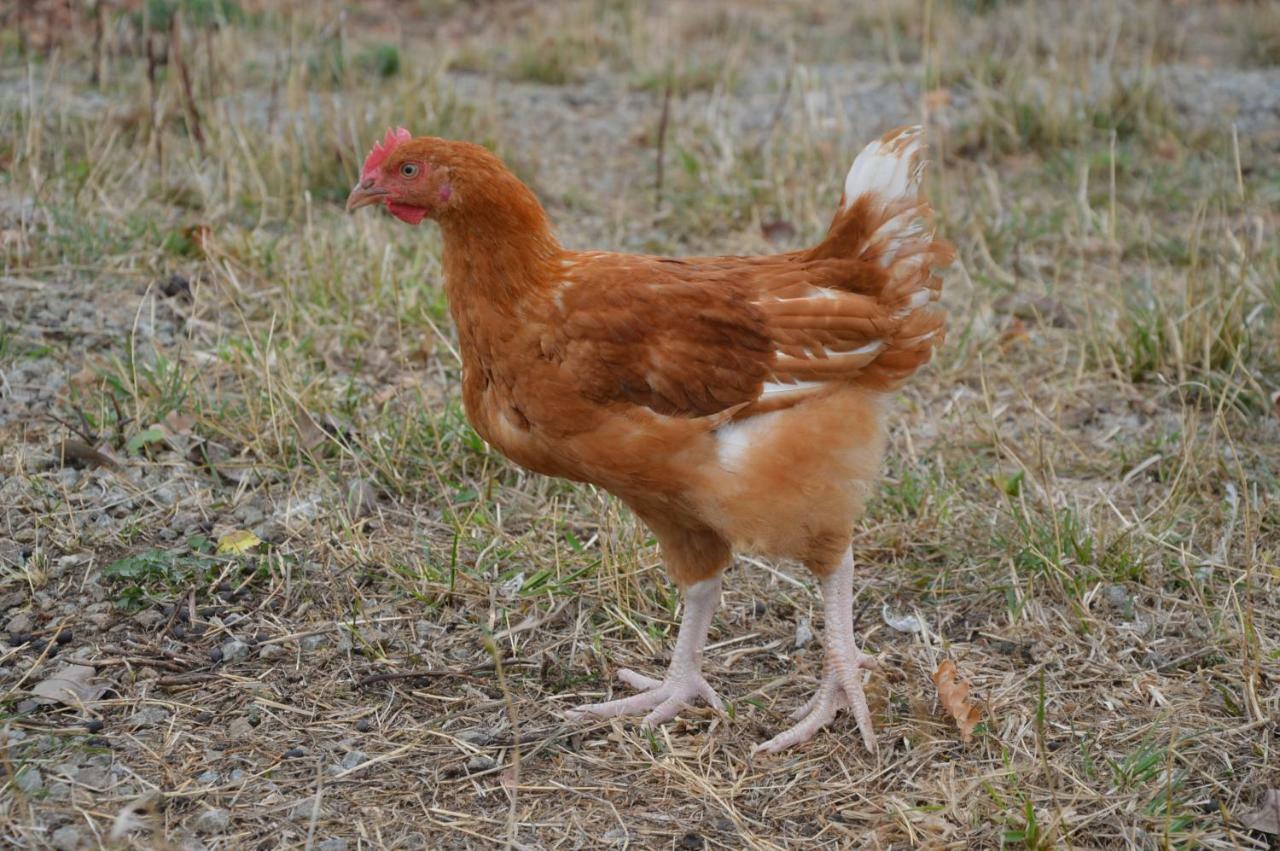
(1080, 508)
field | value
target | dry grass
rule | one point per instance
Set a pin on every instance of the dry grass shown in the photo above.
(1081, 506)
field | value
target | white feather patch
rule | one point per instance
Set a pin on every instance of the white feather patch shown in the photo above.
(734, 441)
(884, 169)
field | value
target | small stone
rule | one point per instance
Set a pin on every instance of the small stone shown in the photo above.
(149, 717)
(20, 624)
(212, 821)
(353, 759)
(310, 643)
(479, 762)
(67, 838)
(272, 651)
(148, 618)
(29, 779)
(94, 777)
(65, 637)
(335, 843)
(239, 729)
(215, 655)
(234, 650)
(208, 778)
(691, 842)
(303, 810)
(93, 725)
(363, 725)
(294, 753)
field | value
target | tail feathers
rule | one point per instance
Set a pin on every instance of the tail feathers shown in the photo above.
(889, 168)
(868, 315)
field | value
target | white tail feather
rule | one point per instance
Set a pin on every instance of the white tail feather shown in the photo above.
(887, 167)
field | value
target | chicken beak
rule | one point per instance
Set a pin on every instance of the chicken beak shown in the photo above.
(364, 194)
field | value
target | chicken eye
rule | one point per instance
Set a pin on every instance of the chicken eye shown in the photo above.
(409, 169)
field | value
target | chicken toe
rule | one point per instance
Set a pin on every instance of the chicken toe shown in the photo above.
(841, 688)
(663, 699)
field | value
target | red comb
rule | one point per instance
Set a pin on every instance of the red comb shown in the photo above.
(381, 150)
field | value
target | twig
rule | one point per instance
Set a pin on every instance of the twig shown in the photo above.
(184, 76)
(662, 142)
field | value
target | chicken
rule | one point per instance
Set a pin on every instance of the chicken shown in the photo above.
(735, 404)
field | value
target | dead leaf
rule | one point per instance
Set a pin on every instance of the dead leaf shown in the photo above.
(1266, 817)
(179, 423)
(77, 451)
(72, 685)
(954, 694)
(237, 543)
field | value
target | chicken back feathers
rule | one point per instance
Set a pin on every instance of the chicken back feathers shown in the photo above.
(748, 335)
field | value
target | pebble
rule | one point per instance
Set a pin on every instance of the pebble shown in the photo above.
(302, 810)
(148, 618)
(67, 838)
(480, 762)
(336, 843)
(313, 642)
(212, 821)
(149, 717)
(294, 753)
(353, 759)
(239, 729)
(20, 623)
(29, 779)
(363, 725)
(208, 778)
(272, 651)
(94, 777)
(234, 650)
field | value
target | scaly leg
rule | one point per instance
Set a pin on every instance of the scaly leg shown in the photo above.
(663, 699)
(841, 686)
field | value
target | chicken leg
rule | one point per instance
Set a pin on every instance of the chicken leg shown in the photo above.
(841, 686)
(663, 699)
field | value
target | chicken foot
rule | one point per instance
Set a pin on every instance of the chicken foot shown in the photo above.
(841, 686)
(663, 699)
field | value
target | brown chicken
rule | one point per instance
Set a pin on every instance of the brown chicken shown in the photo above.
(733, 403)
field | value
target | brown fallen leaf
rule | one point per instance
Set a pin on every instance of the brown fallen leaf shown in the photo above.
(72, 685)
(954, 694)
(1266, 817)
